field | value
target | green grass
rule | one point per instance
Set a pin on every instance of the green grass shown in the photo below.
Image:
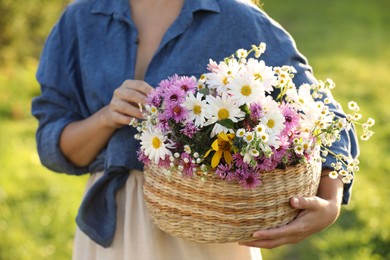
(37, 207)
(343, 40)
(348, 42)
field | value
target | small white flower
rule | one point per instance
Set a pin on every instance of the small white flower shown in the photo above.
(240, 132)
(357, 116)
(187, 149)
(338, 166)
(366, 135)
(352, 105)
(347, 179)
(333, 175)
(254, 152)
(260, 129)
(241, 53)
(370, 122)
(343, 173)
(299, 149)
(264, 137)
(248, 138)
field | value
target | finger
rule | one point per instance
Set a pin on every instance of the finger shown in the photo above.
(121, 119)
(276, 233)
(309, 203)
(268, 244)
(129, 95)
(126, 109)
(138, 85)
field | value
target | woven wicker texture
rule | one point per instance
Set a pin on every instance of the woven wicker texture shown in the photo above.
(218, 211)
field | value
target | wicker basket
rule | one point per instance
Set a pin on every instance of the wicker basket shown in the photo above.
(217, 211)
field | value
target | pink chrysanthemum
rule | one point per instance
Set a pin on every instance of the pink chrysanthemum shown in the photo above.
(238, 160)
(176, 112)
(256, 112)
(187, 84)
(267, 164)
(291, 118)
(173, 95)
(164, 163)
(189, 129)
(224, 171)
(250, 181)
(279, 153)
(163, 124)
(142, 157)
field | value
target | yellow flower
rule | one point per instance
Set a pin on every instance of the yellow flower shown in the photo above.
(222, 146)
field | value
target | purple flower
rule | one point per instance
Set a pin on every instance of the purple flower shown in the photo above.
(256, 112)
(154, 98)
(186, 83)
(267, 164)
(173, 95)
(250, 180)
(224, 171)
(164, 163)
(238, 160)
(142, 157)
(291, 118)
(176, 112)
(189, 129)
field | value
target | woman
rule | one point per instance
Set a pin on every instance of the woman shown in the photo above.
(101, 59)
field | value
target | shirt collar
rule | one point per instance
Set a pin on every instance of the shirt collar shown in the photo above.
(122, 7)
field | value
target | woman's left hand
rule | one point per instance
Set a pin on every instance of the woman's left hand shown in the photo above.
(317, 213)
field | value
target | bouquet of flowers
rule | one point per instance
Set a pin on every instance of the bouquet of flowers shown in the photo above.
(238, 122)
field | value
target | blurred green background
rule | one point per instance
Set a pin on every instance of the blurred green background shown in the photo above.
(345, 40)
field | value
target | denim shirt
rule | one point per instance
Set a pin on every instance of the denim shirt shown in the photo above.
(92, 50)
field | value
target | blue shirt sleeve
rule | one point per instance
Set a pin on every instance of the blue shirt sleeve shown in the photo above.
(58, 105)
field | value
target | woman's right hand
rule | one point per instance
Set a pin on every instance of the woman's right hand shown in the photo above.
(76, 142)
(124, 105)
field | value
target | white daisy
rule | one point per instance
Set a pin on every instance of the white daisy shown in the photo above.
(262, 73)
(153, 145)
(197, 108)
(244, 89)
(273, 119)
(220, 108)
(221, 75)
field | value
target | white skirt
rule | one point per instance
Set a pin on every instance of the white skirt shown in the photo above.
(137, 238)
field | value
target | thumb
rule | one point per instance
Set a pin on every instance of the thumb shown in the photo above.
(305, 203)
